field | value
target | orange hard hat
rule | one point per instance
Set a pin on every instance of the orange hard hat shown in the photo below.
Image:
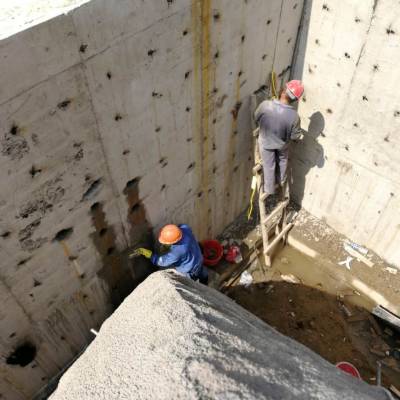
(170, 234)
(294, 89)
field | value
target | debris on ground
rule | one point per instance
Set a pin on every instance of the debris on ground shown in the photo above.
(346, 262)
(358, 256)
(290, 278)
(270, 288)
(233, 254)
(357, 247)
(245, 279)
(391, 270)
(345, 309)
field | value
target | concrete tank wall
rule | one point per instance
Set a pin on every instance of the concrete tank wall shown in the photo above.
(116, 118)
(346, 170)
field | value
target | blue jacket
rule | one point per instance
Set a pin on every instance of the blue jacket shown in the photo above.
(184, 255)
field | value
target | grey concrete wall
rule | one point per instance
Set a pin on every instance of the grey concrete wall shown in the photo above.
(116, 118)
(346, 170)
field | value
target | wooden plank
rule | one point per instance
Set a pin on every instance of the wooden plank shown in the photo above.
(357, 318)
(395, 390)
(387, 316)
(275, 212)
(375, 325)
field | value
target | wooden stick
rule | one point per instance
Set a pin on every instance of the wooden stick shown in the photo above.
(275, 212)
(278, 238)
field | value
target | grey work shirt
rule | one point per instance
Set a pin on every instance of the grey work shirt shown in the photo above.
(279, 123)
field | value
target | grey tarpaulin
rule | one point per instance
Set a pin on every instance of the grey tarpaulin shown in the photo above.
(173, 338)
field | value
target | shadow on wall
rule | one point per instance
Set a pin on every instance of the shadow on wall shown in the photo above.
(306, 154)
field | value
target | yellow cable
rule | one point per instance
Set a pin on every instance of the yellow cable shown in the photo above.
(250, 211)
(274, 96)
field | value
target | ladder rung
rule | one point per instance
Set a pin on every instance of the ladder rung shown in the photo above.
(257, 168)
(275, 212)
(278, 238)
(263, 196)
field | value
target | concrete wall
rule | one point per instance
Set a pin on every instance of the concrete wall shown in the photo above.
(116, 118)
(346, 170)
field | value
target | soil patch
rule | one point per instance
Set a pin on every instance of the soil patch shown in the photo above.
(294, 298)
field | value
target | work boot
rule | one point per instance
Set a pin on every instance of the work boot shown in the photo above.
(270, 203)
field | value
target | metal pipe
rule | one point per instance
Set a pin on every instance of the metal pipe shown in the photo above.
(378, 373)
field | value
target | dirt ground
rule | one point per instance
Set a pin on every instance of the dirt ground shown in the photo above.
(316, 319)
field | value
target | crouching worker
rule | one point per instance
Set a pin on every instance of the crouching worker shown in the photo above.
(184, 253)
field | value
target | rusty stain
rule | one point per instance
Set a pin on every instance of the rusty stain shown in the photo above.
(136, 215)
(204, 76)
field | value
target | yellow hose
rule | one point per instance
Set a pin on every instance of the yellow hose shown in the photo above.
(250, 210)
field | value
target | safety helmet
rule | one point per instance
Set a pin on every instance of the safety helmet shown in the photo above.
(170, 234)
(294, 89)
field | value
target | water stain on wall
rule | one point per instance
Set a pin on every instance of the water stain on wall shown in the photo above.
(113, 272)
(121, 273)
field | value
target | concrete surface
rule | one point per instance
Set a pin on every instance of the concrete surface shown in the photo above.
(176, 339)
(317, 240)
(16, 15)
(346, 170)
(117, 117)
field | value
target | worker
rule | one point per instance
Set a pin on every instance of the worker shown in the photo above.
(184, 253)
(279, 124)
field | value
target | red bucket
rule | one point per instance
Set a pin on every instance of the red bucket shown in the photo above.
(212, 252)
(348, 368)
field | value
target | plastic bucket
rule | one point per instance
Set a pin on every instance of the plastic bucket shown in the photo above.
(212, 252)
(348, 368)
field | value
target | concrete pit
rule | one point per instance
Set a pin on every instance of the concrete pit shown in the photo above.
(119, 116)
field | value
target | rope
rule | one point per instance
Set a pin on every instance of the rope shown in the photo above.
(273, 78)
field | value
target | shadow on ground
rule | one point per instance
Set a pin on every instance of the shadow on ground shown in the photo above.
(321, 322)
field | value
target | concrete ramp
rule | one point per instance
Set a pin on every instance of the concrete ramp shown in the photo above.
(176, 339)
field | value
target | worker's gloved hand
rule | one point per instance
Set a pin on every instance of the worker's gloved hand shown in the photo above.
(141, 252)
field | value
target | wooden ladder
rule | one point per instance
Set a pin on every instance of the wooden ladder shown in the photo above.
(277, 218)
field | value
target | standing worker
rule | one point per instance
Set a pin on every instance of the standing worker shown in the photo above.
(279, 124)
(184, 253)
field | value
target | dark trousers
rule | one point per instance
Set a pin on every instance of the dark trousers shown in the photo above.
(275, 164)
(200, 274)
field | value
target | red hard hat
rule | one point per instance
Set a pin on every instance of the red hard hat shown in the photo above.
(294, 89)
(170, 234)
